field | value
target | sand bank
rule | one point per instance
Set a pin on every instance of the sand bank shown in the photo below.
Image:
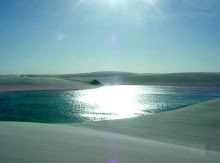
(82, 81)
(17, 83)
(189, 134)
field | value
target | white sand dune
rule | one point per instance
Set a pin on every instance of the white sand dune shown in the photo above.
(189, 134)
(17, 83)
(82, 81)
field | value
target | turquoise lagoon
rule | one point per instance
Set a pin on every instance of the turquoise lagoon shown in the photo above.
(105, 103)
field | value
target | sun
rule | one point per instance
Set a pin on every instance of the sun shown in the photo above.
(114, 3)
(117, 2)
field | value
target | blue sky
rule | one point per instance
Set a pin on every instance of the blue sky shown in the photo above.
(74, 36)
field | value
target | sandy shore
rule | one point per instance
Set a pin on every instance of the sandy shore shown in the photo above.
(189, 134)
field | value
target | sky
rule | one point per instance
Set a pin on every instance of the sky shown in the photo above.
(76, 36)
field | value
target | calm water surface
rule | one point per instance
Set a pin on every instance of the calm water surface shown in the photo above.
(104, 103)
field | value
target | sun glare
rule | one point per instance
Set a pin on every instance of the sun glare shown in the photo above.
(117, 2)
(114, 3)
(118, 100)
(77, 4)
(151, 2)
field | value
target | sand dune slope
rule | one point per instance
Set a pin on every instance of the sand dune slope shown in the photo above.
(195, 126)
(188, 135)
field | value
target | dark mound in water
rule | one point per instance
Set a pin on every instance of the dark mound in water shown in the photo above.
(95, 82)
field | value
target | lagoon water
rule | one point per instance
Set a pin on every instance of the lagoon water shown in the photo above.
(105, 103)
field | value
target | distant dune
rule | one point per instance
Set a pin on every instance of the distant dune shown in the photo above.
(82, 81)
(90, 74)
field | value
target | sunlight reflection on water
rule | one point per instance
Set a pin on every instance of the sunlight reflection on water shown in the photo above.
(105, 103)
(116, 102)
(111, 102)
(119, 101)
